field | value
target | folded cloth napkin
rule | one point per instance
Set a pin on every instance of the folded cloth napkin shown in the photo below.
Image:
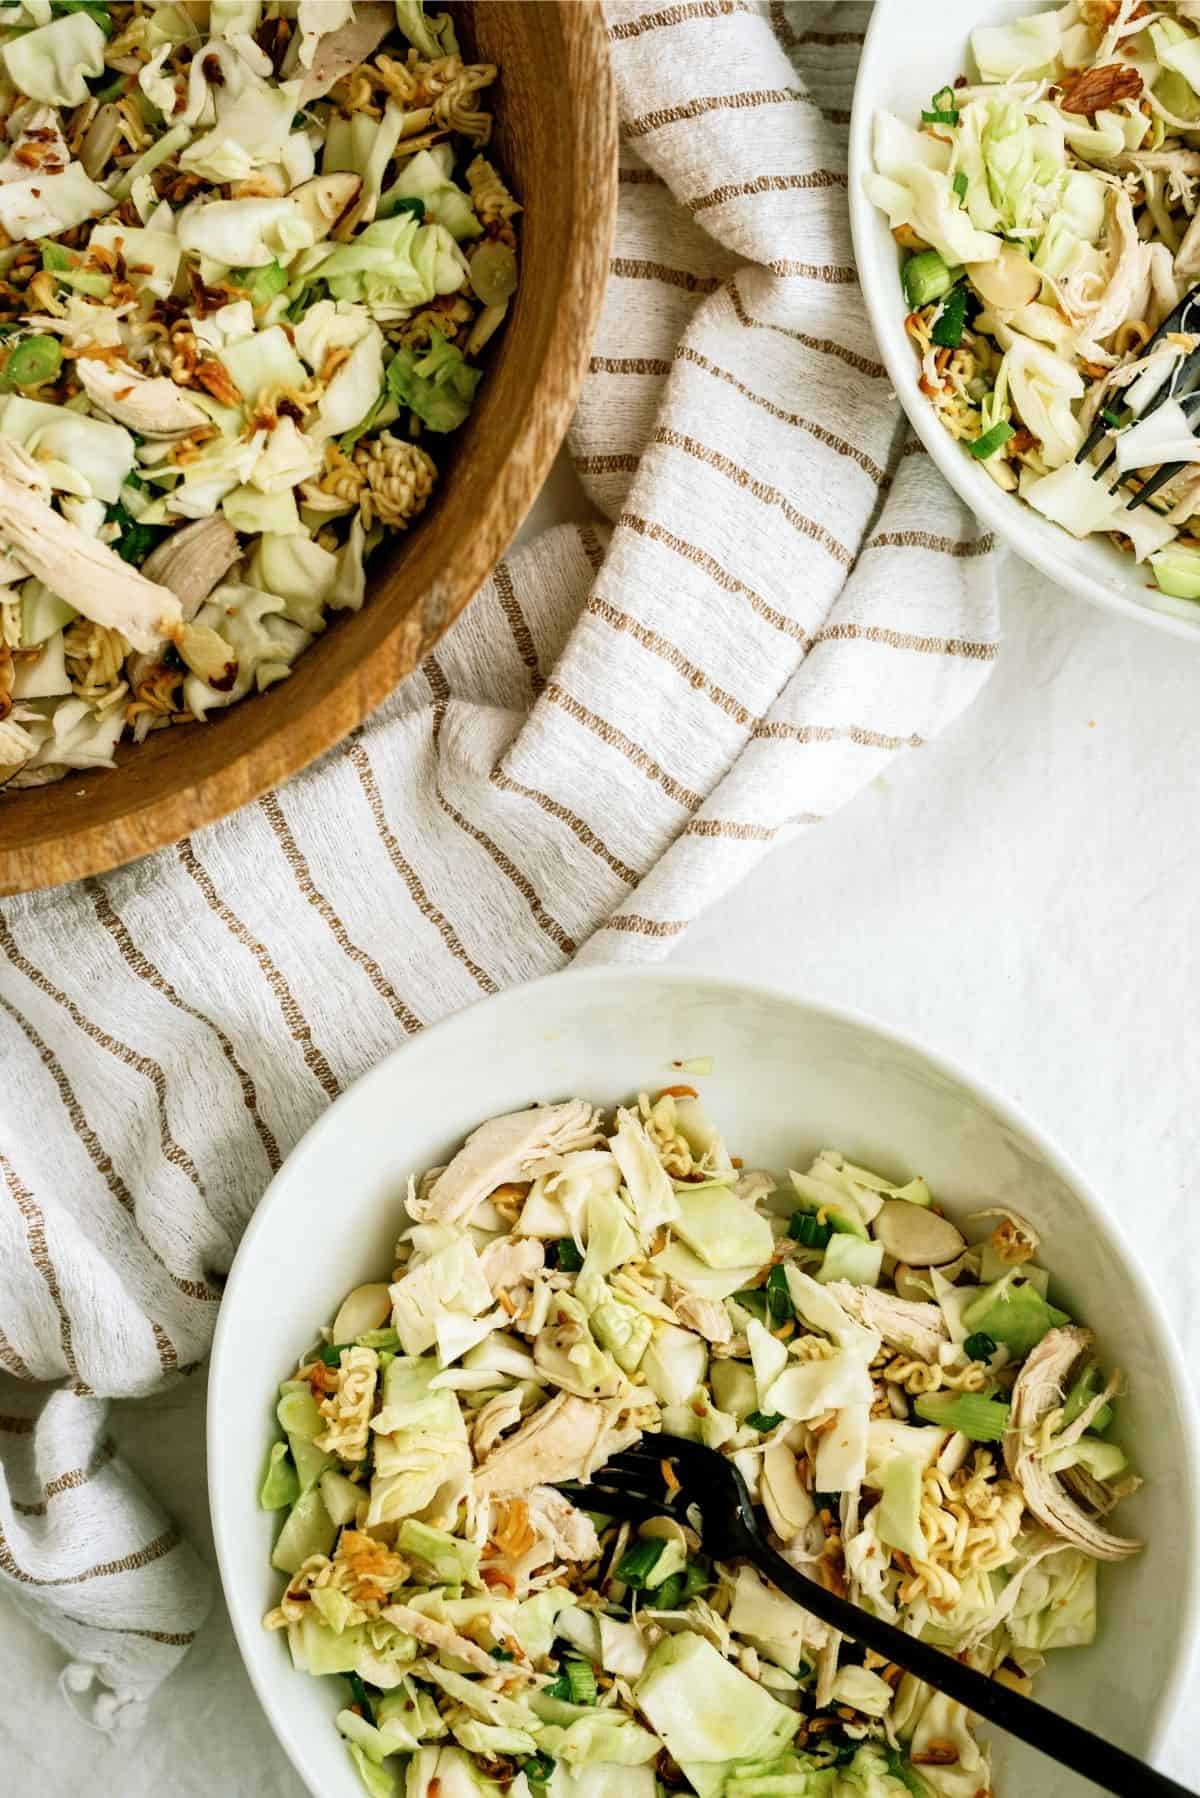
(784, 597)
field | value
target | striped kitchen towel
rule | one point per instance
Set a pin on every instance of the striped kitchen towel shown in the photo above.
(782, 597)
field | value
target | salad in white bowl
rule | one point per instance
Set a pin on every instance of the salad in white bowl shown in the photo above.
(1047, 201)
(924, 1429)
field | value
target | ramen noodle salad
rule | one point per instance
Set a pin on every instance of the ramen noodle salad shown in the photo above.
(1048, 203)
(923, 1427)
(250, 256)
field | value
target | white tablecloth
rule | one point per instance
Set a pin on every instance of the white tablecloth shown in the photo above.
(1020, 895)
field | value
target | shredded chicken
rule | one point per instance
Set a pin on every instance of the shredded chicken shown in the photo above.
(1037, 1390)
(86, 572)
(500, 1150)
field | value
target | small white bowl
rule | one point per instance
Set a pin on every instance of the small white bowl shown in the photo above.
(913, 48)
(788, 1078)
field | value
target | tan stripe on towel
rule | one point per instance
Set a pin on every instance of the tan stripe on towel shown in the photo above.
(765, 184)
(100, 1159)
(695, 109)
(39, 1253)
(616, 739)
(637, 268)
(70, 1481)
(660, 646)
(582, 830)
(298, 1025)
(517, 624)
(297, 861)
(865, 365)
(142, 1557)
(877, 633)
(140, 964)
(831, 440)
(676, 15)
(145, 1065)
(360, 761)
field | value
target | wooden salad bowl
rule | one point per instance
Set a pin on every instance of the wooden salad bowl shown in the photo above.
(556, 143)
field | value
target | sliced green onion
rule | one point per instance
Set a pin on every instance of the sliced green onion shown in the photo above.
(110, 89)
(780, 1308)
(1083, 1390)
(982, 1419)
(979, 1347)
(34, 360)
(360, 1697)
(762, 1420)
(97, 13)
(502, 1654)
(569, 1258)
(331, 1354)
(135, 543)
(908, 1776)
(947, 327)
(959, 184)
(411, 205)
(640, 1561)
(942, 110)
(539, 1768)
(925, 278)
(754, 1300)
(668, 1595)
(581, 1680)
(558, 1688)
(805, 1227)
(1110, 417)
(696, 1578)
(991, 441)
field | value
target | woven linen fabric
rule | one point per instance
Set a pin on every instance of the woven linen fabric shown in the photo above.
(784, 598)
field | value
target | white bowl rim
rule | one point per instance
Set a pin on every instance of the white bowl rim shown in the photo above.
(1002, 512)
(248, 1629)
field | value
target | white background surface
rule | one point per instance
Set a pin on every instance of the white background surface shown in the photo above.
(1020, 895)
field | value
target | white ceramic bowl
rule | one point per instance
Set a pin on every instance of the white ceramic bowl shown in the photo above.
(914, 47)
(788, 1078)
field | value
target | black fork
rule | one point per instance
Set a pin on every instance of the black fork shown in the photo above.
(1181, 383)
(711, 1496)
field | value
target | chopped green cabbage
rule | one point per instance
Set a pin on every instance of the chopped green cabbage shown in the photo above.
(722, 1229)
(56, 62)
(437, 384)
(706, 1710)
(280, 1486)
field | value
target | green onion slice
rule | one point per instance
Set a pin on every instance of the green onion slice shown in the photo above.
(763, 1420)
(640, 1561)
(581, 1681)
(34, 360)
(991, 441)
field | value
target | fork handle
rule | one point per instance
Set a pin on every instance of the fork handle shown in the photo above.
(1056, 1736)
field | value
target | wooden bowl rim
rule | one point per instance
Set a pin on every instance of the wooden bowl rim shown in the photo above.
(530, 447)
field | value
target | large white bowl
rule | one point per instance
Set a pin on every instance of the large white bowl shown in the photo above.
(788, 1078)
(914, 47)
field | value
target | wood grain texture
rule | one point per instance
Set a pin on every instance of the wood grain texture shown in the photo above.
(556, 140)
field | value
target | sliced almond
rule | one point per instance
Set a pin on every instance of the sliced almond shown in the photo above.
(917, 1235)
(1008, 281)
(366, 1308)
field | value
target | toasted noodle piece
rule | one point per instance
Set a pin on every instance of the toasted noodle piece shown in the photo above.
(152, 405)
(87, 574)
(194, 559)
(903, 1323)
(559, 1442)
(442, 1636)
(342, 50)
(499, 1151)
(1039, 1389)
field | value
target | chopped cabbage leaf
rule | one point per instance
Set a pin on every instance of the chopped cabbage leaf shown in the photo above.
(55, 62)
(423, 178)
(52, 203)
(451, 1279)
(437, 385)
(706, 1710)
(431, 33)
